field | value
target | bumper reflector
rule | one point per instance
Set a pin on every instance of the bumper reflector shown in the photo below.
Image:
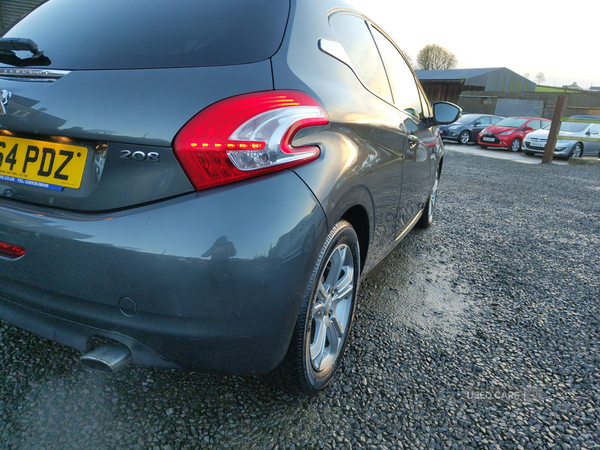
(11, 251)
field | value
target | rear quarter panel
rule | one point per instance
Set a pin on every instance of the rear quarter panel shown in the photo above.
(362, 148)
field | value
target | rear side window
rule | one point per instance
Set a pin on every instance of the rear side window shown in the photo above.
(404, 86)
(355, 37)
(131, 34)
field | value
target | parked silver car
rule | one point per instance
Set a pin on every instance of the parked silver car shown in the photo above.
(536, 142)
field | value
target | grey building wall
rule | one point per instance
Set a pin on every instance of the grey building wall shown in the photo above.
(540, 104)
(448, 84)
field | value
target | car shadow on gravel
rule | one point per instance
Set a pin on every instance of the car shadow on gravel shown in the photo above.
(52, 399)
(67, 405)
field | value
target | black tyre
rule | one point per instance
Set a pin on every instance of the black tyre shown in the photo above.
(528, 153)
(427, 218)
(577, 151)
(482, 146)
(323, 325)
(464, 137)
(515, 145)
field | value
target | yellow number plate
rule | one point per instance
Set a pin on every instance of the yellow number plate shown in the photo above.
(43, 164)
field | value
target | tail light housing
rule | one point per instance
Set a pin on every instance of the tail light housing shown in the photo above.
(247, 135)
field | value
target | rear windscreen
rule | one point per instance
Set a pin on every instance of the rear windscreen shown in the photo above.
(133, 34)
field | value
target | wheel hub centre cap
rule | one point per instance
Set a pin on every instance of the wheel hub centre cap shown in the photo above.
(328, 303)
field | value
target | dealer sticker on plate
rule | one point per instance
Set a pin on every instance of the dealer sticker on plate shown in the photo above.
(42, 164)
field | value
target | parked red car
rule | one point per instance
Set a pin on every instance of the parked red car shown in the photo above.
(509, 132)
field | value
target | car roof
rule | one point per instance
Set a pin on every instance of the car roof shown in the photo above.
(480, 115)
(528, 118)
(584, 116)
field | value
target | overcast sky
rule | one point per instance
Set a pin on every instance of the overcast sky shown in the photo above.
(558, 38)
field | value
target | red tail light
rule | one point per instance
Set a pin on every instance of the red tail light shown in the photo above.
(247, 135)
(11, 251)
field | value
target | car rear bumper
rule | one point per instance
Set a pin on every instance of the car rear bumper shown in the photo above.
(210, 281)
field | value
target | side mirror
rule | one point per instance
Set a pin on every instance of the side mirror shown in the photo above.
(445, 112)
(590, 132)
(528, 128)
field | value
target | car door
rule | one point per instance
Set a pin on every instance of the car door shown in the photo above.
(480, 124)
(530, 127)
(374, 125)
(592, 148)
(418, 161)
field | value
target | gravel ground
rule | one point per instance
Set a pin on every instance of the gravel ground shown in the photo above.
(480, 332)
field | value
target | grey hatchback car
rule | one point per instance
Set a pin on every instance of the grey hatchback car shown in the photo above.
(202, 185)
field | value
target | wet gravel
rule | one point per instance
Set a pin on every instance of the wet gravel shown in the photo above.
(481, 332)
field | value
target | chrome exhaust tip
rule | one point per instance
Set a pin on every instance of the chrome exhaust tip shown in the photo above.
(108, 358)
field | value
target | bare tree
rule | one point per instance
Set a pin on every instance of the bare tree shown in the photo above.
(434, 57)
(540, 78)
(408, 57)
(526, 74)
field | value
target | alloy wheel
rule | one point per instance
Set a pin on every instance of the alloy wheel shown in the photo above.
(433, 198)
(515, 145)
(332, 308)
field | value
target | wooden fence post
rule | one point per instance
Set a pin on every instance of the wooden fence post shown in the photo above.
(554, 129)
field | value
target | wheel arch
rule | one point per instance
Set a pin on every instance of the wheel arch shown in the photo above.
(359, 219)
(469, 132)
(357, 207)
(572, 151)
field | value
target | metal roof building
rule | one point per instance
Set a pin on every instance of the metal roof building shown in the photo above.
(13, 10)
(448, 84)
